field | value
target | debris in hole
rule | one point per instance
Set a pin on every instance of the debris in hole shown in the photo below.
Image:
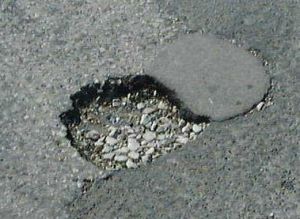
(130, 124)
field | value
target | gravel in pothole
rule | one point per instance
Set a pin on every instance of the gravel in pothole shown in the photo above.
(132, 130)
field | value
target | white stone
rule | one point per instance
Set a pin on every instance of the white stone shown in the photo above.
(107, 149)
(149, 136)
(121, 158)
(153, 126)
(181, 123)
(150, 151)
(162, 105)
(111, 141)
(116, 102)
(122, 150)
(131, 164)
(93, 134)
(148, 110)
(260, 106)
(197, 128)
(186, 128)
(161, 136)
(140, 106)
(134, 155)
(182, 139)
(133, 144)
(144, 119)
(99, 143)
(108, 156)
(161, 128)
(113, 131)
(145, 158)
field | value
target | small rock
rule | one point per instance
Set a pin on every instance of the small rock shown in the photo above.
(107, 149)
(182, 139)
(176, 145)
(113, 131)
(144, 119)
(133, 144)
(164, 120)
(134, 155)
(193, 136)
(197, 128)
(99, 143)
(148, 110)
(111, 141)
(140, 106)
(121, 158)
(108, 156)
(161, 128)
(116, 102)
(143, 142)
(131, 164)
(260, 106)
(132, 136)
(181, 123)
(93, 134)
(150, 151)
(186, 128)
(122, 150)
(153, 126)
(174, 109)
(161, 137)
(149, 136)
(162, 105)
(145, 158)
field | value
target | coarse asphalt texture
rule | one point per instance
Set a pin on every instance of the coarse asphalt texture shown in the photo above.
(245, 167)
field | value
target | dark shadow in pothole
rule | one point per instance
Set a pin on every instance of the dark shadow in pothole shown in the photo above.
(116, 87)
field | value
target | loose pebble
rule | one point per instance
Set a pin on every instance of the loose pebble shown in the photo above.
(149, 136)
(140, 106)
(108, 156)
(162, 105)
(148, 110)
(130, 164)
(111, 141)
(112, 132)
(260, 106)
(182, 139)
(107, 149)
(134, 155)
(197, 128)
(133, 144)
(99, 143)
(122, 150)
(186, 128)
(144, 119)
(150, 151)
(145, 158)
(120, 158)
(93, 135)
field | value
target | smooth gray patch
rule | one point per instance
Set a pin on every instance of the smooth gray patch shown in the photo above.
(211, 76)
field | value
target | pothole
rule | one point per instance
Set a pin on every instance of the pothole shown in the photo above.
(130, 121)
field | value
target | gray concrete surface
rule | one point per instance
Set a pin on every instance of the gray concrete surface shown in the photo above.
(247, 167)
(212, 77)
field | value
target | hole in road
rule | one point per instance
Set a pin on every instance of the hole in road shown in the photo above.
(127, 122)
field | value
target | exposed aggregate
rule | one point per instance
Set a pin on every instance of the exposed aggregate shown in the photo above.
(131, 130)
